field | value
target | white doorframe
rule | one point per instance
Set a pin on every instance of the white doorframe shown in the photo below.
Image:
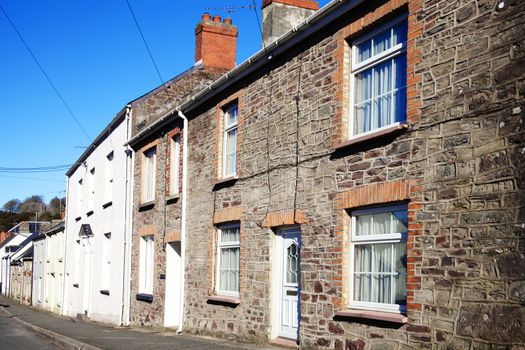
(172, 307)
(283, 236)
(87, 251)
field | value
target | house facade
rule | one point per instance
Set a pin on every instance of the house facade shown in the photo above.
(157, 267)
(97, 229)
(53, 284)
(39, 271)
(358, 182)
(21, 261)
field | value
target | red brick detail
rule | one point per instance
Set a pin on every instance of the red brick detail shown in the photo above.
(172, 236)
(377, 193)
(284, 217)
(147, 230)
(216, 43)
(343, 53)
(227, 215)
(306, 4)
(219, 128)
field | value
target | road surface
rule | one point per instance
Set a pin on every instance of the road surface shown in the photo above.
(14, 336)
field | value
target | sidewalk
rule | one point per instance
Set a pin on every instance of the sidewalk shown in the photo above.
(74, 334)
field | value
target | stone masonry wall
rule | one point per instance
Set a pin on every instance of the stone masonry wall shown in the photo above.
(461, 158)
(161, 218)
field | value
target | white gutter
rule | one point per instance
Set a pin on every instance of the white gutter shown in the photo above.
(185, 153)
(128, 205)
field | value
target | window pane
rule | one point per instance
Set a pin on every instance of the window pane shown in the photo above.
(399, 95)
(363, 86)
(230, 151)
(363, 225)
(383, 268)
(400, 258)
(229, 269)
(364, 51)
(381, 223)
(382, 42)
(291, 264)
(230, 235)
(400, 221)
(231, 116)
(400, 33)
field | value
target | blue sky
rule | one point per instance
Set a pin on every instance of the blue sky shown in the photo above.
(93, 53)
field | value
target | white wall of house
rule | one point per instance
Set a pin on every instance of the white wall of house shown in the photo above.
(54, 271)
(95, 283)
(39, 261)
(5, 258)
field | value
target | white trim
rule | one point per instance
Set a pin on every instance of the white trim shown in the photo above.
(221, 245)
(149, 175)
(174, 164)
(372, 61)
(146, 270)
(400, 237)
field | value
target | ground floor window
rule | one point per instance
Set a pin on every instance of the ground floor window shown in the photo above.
(228, 259)
(378, 258)
(146, 265)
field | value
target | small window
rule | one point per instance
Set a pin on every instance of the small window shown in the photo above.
(149, 173)
(229, 158)
(228, 260)
(91, 194)
(146, 264)
(174, 165)
(106, 261)
(378, 79)
(108, 188)
(378, 264)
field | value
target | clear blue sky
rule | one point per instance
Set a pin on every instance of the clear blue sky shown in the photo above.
(93, 53)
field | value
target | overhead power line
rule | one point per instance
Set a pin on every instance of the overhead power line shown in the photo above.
(30, 178)
(145, 42)
(44, 73)
(46, 169)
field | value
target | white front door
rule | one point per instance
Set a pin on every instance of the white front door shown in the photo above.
(290, 278)
(86, 274)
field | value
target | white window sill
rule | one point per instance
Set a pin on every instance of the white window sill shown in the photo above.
(373, 315)
(371, 135)
(225, 299)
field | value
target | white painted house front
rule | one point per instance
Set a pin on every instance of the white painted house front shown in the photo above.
(54, 268)
(39, 264)
(98, 232)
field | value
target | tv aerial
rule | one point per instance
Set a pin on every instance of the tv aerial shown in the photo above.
(230, 9)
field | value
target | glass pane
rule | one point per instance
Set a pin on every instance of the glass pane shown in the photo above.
(400, 33)
(400, 221)
(400, 265)
(363, 86)
(230, 151)
(382, 42)
(363, 115)
(383, 269)
(229, 269)
(291, 266)
(381, 223)
(399, 74)
(364, 51)
(230, 234)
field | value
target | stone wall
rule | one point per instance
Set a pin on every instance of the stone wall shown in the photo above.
(161, 218)
(460, 158)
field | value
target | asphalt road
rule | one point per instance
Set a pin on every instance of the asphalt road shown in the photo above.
(14, 336)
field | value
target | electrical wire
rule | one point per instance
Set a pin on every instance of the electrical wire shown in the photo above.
(45, 74)
(47, 169)
(31, 178)
(145, 43)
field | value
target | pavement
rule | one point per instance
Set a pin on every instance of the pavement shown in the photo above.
(68, 333)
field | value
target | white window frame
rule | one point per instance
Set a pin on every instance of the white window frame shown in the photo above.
(147, 261)
(357, 68)
(175, 162)
(221, 245)
(227, 129)
(399, 237)
(149, 174)
(108, 190)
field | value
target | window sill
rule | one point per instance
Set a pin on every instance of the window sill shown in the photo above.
(144, 297)
(107, 204)
(78, 218)
(146, 205)
(104, 292)
(172, 199)
(225, 182)
(89, 213)
(373, 135)
(75, 285)
(373, 315)
(223, 299)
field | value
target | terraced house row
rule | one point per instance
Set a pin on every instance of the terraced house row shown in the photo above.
(358, 183)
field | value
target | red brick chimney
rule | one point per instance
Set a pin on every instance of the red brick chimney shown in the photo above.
(279, 16)
(216, 42)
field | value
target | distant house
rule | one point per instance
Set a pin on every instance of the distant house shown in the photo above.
(39, 265)
(21, 262)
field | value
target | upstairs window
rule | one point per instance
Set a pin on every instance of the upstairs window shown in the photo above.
(148, 174)
(174, 165)
(108, 188)
(378, 79)
(378, 264)
(229, 155)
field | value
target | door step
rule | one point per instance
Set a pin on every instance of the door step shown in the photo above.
(285, 343)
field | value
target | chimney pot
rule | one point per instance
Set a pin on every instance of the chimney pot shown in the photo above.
(206, 17)
(217, 19)
(227, 21)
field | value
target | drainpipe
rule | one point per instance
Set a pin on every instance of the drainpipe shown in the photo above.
(64, 258)
(185, 153)
(128, 205)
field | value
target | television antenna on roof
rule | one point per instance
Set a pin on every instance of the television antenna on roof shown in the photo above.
(230, 9)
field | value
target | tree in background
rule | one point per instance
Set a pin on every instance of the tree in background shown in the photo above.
(33, 204)
(12, 205)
